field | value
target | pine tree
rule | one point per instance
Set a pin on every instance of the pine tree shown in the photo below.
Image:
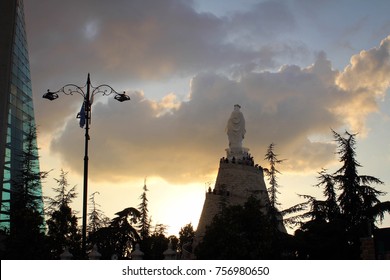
(26, 235)
(26, 188)
(348, 213)
(119, 237)
(144, 217)
(124, 235)
(96, 217)
(359, 202)
(331, 209)
(273, 192)
(271, 173)
(63, 230)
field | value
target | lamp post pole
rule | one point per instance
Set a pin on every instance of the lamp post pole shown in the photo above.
(87, 108)
(91, 91)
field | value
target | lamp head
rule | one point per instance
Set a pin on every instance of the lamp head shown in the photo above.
(122, 97)
(50, 95)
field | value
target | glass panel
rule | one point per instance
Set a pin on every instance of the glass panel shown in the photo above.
(20, 114)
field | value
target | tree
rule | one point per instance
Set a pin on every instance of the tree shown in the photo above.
(155, 244)
(26, 238)
(96, 217)
(331, 209)
(62, 225)
(320, 210)
(337, 223)
(144, 216)
(186, 237)
(271, 173)
(322, 234)
(241, 232)
(120, 236)
(358, 201)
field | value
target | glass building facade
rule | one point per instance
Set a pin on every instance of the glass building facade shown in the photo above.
(16, 104)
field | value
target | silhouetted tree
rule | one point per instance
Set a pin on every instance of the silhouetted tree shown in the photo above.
(186, 237)
(157, 242)
(120, 236)
(273, 192)
(62, 223)
(96, 217)
(336, 224)
(144, 214)
(358, 201)
(322, 240)
(241, 232)
(331, 209)
(321, 234)
(26, 239)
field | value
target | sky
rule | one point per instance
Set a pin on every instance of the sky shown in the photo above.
(298, 68)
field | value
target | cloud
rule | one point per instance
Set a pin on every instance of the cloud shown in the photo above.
(144, 42)
(365, 80)
(139, 39)
(368, 70)
(132, 41)
(149, 40)
(268, 18)
(226, 60)
(181, 141)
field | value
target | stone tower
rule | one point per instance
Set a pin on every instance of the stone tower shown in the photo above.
(238, 177)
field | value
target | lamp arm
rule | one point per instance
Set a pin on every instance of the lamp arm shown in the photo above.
(103, 89)
(70, 89)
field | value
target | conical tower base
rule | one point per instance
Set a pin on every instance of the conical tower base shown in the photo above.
(237, 180)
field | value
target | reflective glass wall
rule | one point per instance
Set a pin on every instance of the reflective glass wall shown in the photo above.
(20, 118)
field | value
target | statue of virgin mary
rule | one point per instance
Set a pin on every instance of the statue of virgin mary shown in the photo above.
(236, 128)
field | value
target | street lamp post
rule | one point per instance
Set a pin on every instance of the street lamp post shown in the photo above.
(85, 116)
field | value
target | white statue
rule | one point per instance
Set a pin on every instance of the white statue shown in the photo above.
(236, 128)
